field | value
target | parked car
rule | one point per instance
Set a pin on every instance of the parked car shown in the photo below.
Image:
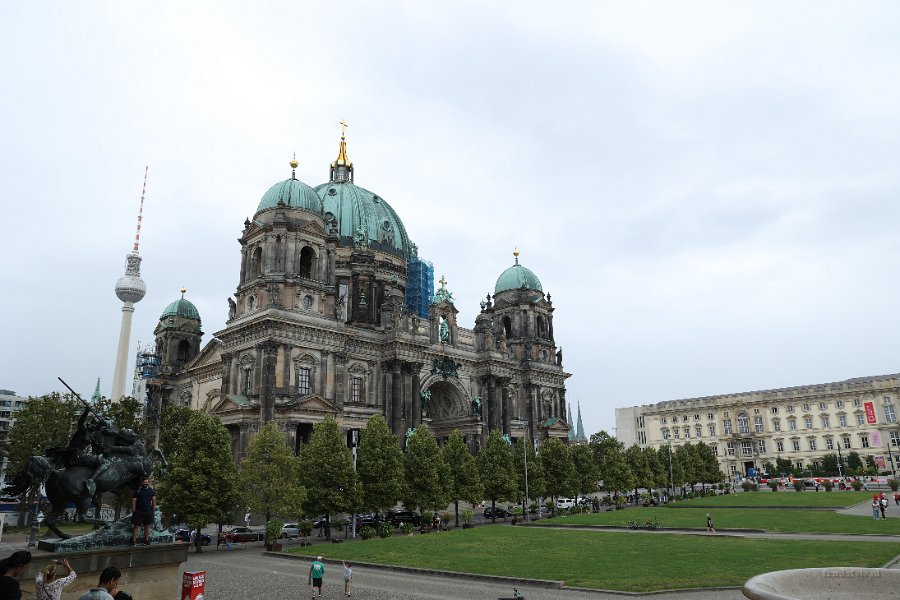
(540, 510)
(499, 513)
(245, 534)
(289, 530)
(565, 503)
(367, 520)
(184, 535)
(399, 517)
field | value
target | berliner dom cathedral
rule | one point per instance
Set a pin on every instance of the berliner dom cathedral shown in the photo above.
(334, 313)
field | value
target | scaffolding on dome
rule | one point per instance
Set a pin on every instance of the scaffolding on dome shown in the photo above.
(419, 286)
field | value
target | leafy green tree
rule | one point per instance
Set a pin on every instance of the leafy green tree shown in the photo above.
(616, 473)
(674, 470)
(658, 468)
(640, 467)
(601, 445)
(830, 464)
(379, 465)
(327, 472)
(425, 472)
(854, 462)
(587, 474)
(770, 468)
(537, 479)
(463, 481)
(171, 422)
(559, 469)
(202, 485)
(708, 464)
(687, 458)
(498, 474)
(43, 422)
(270, 475)
(783, 466)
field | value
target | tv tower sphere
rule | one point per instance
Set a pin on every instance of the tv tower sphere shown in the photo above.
(130, 287)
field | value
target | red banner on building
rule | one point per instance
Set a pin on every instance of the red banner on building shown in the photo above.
(870, 413)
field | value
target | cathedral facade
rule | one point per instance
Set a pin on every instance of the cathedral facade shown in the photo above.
(324, 321)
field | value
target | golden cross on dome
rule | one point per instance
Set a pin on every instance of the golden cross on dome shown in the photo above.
(344, 126)
(443, 282)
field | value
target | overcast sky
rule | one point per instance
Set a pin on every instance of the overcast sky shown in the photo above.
(708, 190)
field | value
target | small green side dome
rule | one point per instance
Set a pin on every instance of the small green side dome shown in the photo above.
(294, 194)
(517, 277)
(181, 308)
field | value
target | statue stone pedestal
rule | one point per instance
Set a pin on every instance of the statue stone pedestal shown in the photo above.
(148, 572)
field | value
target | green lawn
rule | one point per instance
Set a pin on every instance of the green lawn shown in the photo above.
(788, 498)
(775, 520)
(610, 560)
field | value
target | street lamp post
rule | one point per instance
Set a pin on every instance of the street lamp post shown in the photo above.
(840, 461)
(891, 456)
(671, 478)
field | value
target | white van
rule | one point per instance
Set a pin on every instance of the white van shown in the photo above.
(565, 502)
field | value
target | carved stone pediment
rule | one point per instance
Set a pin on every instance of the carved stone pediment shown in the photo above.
(313, 403)
(230, 403)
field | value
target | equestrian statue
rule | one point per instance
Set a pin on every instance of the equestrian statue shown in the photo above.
(99, 458)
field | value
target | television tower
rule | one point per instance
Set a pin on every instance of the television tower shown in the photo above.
(130, 289)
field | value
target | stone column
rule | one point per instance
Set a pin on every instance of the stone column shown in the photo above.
(340, 379)
(493, 410)
(324, 372)
(243, 441)
(388, 395)
(416, 395)
(286, 371)
(235, 375)
(562, 403)
(504, 405)
(396, 400)
(267, 388)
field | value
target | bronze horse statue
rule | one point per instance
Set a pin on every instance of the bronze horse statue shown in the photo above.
(68, 484)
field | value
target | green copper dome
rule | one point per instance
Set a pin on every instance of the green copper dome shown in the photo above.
(294, 194)
(181, 308)
(517, 277)
(357, 209)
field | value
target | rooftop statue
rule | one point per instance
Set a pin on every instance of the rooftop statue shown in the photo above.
(99, 458)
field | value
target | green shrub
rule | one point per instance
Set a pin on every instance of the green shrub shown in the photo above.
(773, 485)
(305, 527)
(367, 532)
(467, 514)
(798, 486)
(445, 517)
(406, 529)
(385, 530)
(856, 484)
(827, 484)
(746, 485)
(894, 484)
(273, 531)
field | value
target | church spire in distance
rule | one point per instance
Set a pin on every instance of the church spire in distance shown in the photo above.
(342, 168)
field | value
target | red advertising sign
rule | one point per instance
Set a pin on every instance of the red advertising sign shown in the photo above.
(193, 585)
(870, 413)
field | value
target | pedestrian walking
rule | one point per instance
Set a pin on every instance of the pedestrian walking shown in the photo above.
(247, 518)
(883, 504)
(876, 507)
(316, 574)
(348, 579)
(709, 524)
(897, 498)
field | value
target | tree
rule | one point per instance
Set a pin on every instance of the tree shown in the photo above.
(171, 422)
(587, 474)
(537, 480)
(379, 466)
(708, 464)
(658, 468)
(783, 466)
(270, 475)
(854, 461)
(616, 473)
(674, 471)
(640, 468)
(44, 422)
(463, 481)
(830, 464)
(771, 469)
(495, 466)
(559, 470)
(327, 472)
(425, 472)
(202, 484)
(687, 458)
